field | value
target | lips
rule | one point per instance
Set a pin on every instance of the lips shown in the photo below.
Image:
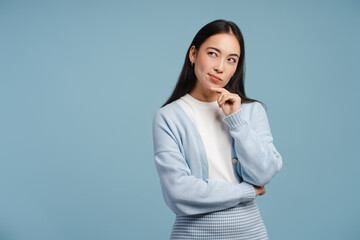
(214, 77)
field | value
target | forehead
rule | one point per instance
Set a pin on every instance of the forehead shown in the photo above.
(225, 42)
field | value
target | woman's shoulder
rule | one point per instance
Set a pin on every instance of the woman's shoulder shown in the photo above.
(170, 112)
(171, 117)
(252, 107)
(169, 109)
(254, 111)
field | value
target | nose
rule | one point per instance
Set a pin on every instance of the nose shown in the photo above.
(219, 66)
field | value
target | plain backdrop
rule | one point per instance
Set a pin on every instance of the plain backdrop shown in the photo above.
(81, 80)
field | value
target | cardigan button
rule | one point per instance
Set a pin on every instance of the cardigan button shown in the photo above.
(234, 161)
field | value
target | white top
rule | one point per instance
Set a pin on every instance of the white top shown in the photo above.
(215, 134)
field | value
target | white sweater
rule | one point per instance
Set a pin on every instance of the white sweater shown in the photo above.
(215, 133)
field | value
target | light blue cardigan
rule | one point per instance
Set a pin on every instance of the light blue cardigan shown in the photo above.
(182, 165)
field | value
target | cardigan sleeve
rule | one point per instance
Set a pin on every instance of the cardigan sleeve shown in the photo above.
(253, 143)
(184, 193)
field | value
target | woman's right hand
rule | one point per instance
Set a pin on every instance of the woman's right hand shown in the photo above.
(259, 190)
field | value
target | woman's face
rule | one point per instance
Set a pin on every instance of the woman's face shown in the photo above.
(216, 61)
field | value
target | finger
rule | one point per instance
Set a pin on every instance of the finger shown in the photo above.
(218, 90)
(229, 97)
(233, 98)
(223, 98)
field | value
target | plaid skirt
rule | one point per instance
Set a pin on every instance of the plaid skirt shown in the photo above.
(240, 222)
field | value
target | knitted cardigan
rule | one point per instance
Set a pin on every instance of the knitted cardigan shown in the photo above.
(182, 166)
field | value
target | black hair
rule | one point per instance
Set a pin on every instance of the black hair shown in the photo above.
(187, 78)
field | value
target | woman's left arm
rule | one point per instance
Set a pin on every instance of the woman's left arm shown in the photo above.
(253, 143)
(258, 157)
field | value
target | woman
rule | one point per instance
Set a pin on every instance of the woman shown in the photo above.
(213, 147)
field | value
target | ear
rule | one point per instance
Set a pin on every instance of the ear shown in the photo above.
(192, 54)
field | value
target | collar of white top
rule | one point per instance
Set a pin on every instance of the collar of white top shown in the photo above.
(198, 103)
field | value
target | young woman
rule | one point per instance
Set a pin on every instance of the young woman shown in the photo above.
(213, 147)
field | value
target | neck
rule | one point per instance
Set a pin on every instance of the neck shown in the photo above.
(204, 95)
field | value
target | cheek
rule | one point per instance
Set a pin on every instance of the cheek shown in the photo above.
(200, 67)
(232, 71)
(202, 64)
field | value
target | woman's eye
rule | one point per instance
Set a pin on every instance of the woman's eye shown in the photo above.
(212, 53)
(232, 60)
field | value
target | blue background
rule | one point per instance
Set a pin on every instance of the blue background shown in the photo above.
(81, 80)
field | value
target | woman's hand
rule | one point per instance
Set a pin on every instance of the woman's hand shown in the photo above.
(259, 190)
(229, 102)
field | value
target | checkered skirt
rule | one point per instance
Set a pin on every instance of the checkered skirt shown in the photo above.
(240, 222)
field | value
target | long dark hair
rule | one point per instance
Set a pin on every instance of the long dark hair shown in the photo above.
(187, 78)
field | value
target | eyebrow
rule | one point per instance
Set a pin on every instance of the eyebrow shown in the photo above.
(232, 54)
